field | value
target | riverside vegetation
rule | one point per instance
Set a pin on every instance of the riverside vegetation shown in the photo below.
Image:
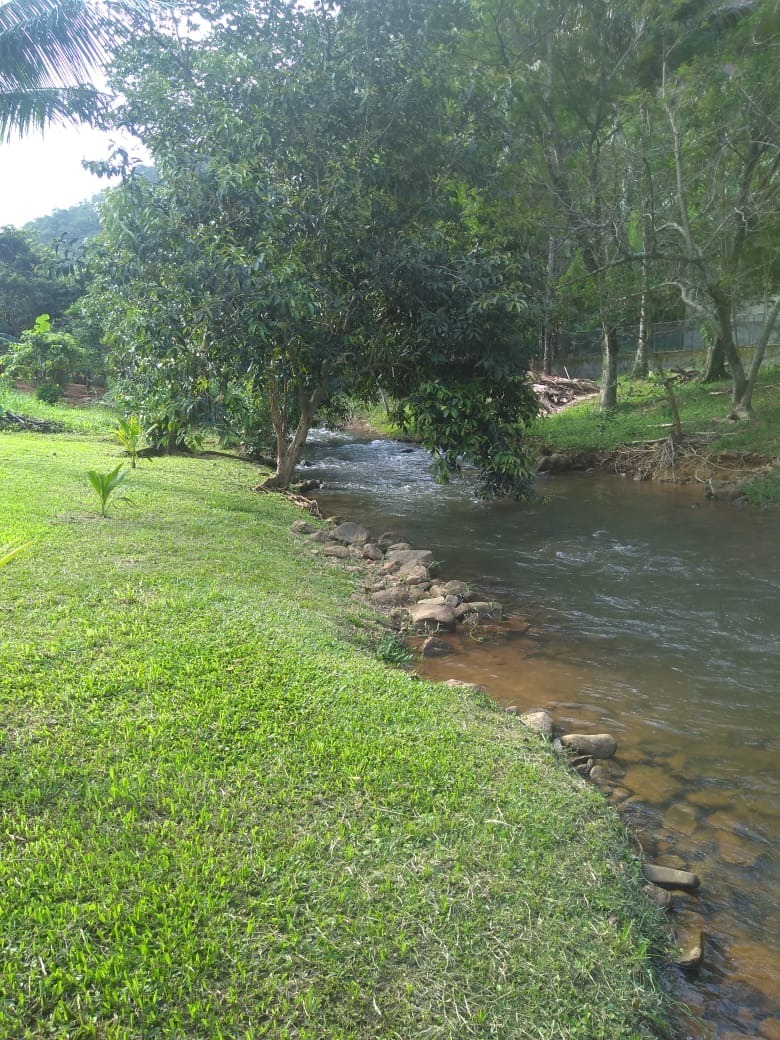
(224, 816)
(635, 438)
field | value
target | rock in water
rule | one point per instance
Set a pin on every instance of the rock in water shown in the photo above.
(425, 613)
(596, 745)
(669, 877)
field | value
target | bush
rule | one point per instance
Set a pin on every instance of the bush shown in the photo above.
(49, 393)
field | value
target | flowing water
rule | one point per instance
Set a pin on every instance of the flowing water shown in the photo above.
(647, 612)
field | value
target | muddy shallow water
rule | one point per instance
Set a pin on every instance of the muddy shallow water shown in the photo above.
(647, 612)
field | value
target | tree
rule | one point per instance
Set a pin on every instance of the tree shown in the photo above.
(567, 72)
(312, 233)
(722, 115)
(32, 281)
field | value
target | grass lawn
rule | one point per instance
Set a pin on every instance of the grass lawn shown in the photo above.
(222, 817)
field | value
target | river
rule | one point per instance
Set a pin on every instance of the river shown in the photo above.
(644, 611)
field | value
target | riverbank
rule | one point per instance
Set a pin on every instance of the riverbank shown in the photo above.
(225, 816)
(736, 461)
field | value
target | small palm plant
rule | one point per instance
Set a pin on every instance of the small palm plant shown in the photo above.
(131, 437)
(8, 551)
(106, 485)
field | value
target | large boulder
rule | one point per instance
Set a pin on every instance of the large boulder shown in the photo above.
(427, 613)
(397, 596)
(423, 557)
(413, 574)
(541, 721)
(339, 552)
(321, 536)
(596, 745)
(351, 533)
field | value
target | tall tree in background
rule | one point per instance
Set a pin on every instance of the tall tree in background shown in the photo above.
(722, 114)
(568, 73)
(33, 281)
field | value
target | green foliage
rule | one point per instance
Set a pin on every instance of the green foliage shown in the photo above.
(43, 354)
(764, 491)
(107, 484)
(32, 280)
(49, 393)
(479, 424)
(49, 51)
(393, 651)
(313, 234)
(130, 434)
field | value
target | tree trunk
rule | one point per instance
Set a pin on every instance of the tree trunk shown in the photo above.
(288, 453)
(645, 329)
(548, 347)
(548, 333)
(609, 357)
(742, 408)
(715, 362)
(724, 308)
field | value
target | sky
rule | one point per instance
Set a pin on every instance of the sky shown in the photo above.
(41, 173)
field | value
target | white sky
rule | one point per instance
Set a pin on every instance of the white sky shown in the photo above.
(41, 173)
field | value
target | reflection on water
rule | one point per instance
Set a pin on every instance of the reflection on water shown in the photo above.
(653, 614)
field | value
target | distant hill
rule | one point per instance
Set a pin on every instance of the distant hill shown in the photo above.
(75, 225)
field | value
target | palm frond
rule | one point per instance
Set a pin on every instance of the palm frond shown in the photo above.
(50, 42)
(25, 110)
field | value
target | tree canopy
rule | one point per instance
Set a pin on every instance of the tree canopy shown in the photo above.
(313, 232)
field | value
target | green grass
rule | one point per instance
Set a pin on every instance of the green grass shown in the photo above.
(97, 419)
(220, 818)
(643, 413)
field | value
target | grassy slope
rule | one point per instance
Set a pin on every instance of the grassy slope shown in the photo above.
(643, 410)
(221, 819)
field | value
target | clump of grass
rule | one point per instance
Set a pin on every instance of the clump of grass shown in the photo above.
(220, 819)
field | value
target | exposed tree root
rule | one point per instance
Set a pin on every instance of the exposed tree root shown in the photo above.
(300, 500)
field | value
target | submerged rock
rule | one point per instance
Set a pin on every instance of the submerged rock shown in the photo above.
(433, 647)
(482, 607)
